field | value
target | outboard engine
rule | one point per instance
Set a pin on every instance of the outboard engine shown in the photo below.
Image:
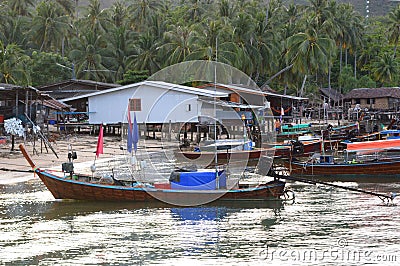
(297, 147)
(69, 166)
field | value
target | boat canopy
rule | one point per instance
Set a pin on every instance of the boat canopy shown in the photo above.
(386, 144)
(390, 132)
(296, 126)
(346, 127)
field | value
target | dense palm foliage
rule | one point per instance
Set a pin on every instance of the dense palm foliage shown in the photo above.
(325, 43)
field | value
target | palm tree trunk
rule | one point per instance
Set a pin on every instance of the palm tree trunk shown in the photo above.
(341, 58)
(355, 64)
(329, 76)
(302, 86)
(62, 46)
(257, 76)
(277, 74)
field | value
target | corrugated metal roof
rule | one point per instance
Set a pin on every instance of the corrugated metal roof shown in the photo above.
(233, 104)
(158, 84)
(79, 81)
(243, 89)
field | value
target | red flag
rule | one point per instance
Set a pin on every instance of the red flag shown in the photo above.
(99, 149)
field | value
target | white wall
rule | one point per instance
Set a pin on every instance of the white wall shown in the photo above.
(158, 106)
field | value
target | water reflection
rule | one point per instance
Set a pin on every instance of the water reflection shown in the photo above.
(36, 229)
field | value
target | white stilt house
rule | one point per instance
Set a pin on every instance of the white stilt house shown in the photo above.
(154, 102)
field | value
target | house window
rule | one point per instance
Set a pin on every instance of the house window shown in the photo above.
(370, 101)
(358, 101)
(135, 104)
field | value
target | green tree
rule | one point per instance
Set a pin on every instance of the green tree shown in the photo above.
(88, 58)
(134, 76)
(210, 35)
(385, 69)
(119, 14)
(13, 65)
(347, 81)
(142, 10)
(95, 18)
(366, 82)
(179, 43)
(21, 7)
(119, 51)
(49, 27)
(308, 52)
(227, 9)
(13, 30)
(394, 27)
(53, 63)
(146, 55)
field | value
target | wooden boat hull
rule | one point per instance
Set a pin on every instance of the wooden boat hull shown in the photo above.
(287, 151)
(309, 147)
(372, 171)
(64, 188)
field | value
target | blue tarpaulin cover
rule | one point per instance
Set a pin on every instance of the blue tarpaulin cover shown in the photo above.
(199, 180)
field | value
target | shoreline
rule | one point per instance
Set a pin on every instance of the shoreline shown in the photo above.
(14, 168)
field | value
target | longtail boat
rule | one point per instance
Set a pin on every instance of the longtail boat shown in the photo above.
(223, 152)
(296, 148)
(207, 158)
(291, 131)
(184, 189)
(361, 160)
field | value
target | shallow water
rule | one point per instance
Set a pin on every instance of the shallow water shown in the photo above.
(324, 226)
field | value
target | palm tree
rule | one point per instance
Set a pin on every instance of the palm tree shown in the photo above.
(13, 30)
(21, 7)
(146, 54)
(349, 30)
(88, 58)
(12, 65)
(140, 11)
(385, 69)
(67, 5)
(120, 49)
(243, 36)
(196, 10)
(49, 27)
(226, 8)
(394, 27)
(95, 18)
(210, 36)
(308, 52)
(179, 43)
(119, 13)
(266, 41)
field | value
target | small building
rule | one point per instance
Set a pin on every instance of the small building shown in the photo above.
(182, 108)
(75, 88)
(383, 99)
(152, 101)
(331, 104)
(28, 102)
(238, 93)
(332, 96)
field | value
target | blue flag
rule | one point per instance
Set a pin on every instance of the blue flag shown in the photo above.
(135, 133)
(129, 140)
